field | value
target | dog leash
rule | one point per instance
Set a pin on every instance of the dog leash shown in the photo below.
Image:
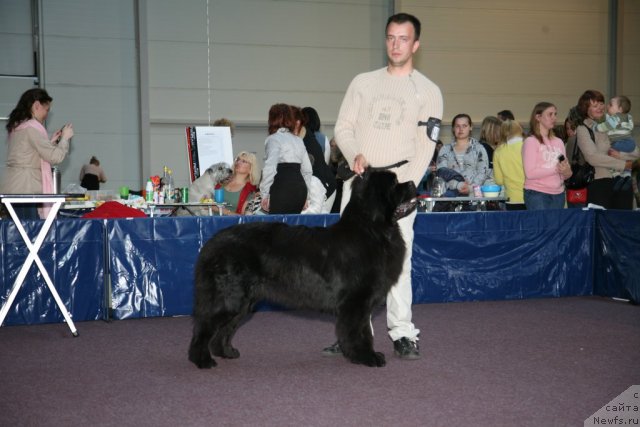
(345, 172)
(395, 165)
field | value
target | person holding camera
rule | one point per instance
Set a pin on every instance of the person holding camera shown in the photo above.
(544, 160)
(31, 151)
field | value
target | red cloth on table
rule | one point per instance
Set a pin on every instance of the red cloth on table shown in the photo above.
(114, 210)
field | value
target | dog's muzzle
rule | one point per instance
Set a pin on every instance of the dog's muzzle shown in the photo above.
(406, 208)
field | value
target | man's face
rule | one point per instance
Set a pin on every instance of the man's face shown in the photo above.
(401, 43)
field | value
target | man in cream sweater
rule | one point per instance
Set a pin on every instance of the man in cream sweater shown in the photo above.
(382, 121)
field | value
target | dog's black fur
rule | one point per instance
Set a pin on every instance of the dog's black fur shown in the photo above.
(346, 269)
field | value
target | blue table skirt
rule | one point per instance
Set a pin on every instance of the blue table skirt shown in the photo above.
(466, 256)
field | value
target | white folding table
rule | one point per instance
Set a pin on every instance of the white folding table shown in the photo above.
(56, 200)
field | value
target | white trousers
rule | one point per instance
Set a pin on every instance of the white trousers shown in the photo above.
(400, 297)
(328, 203)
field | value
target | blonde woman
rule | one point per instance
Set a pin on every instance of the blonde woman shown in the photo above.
(242, 185)
(490, 136)
(507, 164)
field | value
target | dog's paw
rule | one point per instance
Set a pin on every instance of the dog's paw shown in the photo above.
(229, 353)
(379, 360)
(373, 359)
(203, 362)
(224, 350)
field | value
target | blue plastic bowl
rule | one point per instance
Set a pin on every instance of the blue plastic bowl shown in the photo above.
(490, 188)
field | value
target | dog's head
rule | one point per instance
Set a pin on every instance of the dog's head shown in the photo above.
(379, 195)
(220, 172)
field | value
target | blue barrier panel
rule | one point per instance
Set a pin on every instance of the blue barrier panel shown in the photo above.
(617, 249)
(151, 263)
(456, 257)
(502, 255)
(73, 253)
(151, 260)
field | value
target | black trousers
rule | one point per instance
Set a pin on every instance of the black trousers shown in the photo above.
(602, 192)
(288, 192)
(90, 182)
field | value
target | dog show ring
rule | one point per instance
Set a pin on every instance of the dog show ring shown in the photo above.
(56, 201)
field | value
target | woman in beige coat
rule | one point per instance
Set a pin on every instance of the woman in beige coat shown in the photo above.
(598, 153)
(31, 152)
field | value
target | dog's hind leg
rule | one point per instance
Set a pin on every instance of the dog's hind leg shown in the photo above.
(220, 344)
(199, 347)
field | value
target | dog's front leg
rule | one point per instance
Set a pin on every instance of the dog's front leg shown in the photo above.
(356, 339)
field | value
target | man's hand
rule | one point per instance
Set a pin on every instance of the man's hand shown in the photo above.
(359, 164)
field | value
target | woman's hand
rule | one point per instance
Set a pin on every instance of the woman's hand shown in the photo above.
(65, 133)
(564, 168)
(615, 154)
(56, 136)
(264, 204)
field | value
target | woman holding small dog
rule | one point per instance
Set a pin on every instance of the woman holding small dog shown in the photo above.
(287, 171)
(242, 185)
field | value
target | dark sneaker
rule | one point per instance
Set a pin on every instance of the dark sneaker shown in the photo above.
(332, 350)
(406, 349)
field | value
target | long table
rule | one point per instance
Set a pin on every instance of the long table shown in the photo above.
(476, 203)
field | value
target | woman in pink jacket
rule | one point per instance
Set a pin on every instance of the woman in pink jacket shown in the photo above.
(544, 161)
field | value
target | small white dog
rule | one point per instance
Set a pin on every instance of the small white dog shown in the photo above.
(218, 173)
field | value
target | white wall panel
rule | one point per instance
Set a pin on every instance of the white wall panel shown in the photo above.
(86, 61)
(16, 41)
(97, 19)
(496, 54)
(284, 50)
(90, 71)
(629, 73)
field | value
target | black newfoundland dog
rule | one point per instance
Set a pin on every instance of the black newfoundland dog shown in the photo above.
(346, 269)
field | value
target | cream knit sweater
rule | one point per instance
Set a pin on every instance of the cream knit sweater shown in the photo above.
(379, 119)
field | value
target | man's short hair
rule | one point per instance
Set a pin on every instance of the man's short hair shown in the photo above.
(401, 18)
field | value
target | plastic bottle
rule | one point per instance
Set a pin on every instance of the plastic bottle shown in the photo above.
(148, 191)
(169, 195)
(163, 180)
